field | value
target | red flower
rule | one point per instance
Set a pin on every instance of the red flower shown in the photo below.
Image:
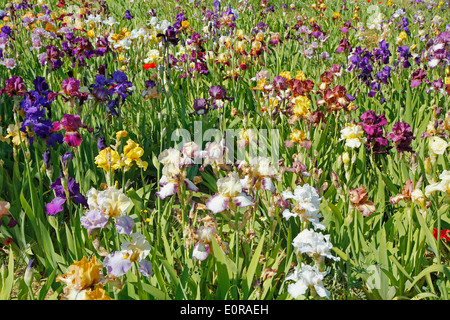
(444, 234)
(8, 241)
(149, 65)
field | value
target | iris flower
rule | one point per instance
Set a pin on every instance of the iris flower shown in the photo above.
(229, 191)
(83, 281)
(304, 278)
(314, 244)
(306, 205)
(353, 135)
(119, 262)
(174, 172)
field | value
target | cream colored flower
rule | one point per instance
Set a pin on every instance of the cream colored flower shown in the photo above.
(437, 145)
(418, 197)
(442, 186)
(353, 135)
(229, 186)
(153, 56)
(113, 202)
(136, 250)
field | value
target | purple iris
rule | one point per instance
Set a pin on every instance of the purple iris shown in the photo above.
(382, 52)
(47, 159)
(344, 45)
(417, 77)
(127, 15)
(7, 30)
(216, 5)
(218, 95)
(404, 56)
(170, 35)
(201, 107)
(79, 49)
(37, 108)
(112, 91)
(373, 124)
(66, 158)
(101, 143)
(55, 206)
(93, 220)
(401, 136)
(14, 86)
(54, 57)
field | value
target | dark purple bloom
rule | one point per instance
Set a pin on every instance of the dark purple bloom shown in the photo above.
(150, 84)
(417, 77)
(218, 95)
(41, 86)
(401, 136)
(111, 91)
(372, 124)
(344, 45)
(37, 112)
(54, 56)
(14, 87)
(404, 56)
(100, 94)
(382, 52)
(201, 106)
(170, 35)
(7, 30)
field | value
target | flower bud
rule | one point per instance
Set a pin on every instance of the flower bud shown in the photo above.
(427, 165)
(335, 180)
(418, 197)
(346, 158)
(28, 276)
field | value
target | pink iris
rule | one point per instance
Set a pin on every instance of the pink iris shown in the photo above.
(71, 124)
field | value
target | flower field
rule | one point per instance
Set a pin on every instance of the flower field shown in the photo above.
(224, 150)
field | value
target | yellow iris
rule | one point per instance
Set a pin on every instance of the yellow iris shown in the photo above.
(108, 159)
(260, 84)
(301, 106)
(286, 74)
(132, 152)
(185, 24)
(97, 294)
(83, 273)
(120, 134)
(91, 33)
(17, 135)
(297, 135)
(300, 76)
